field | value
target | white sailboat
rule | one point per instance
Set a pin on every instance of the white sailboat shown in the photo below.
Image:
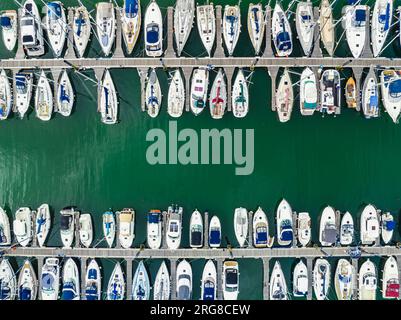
(82, 30)
(300, 280)
(154, 229)
(106, 25)
(206, 25)
(5, 231)
(209, 281)
(109, 227)
(161, 286)
(370, 96)
(31, 30)
(126, 232)
(27, 282)
(344, 280)
(218, 96)
(184, 13)
(231, 27)
(284, 97)
(8, 283)
(131, 23)
(390, 81)
(347, 229)
(367, 281)
(176, 95)
(93, 281)
(9, 28)
(140, 283)
(184, 280)
(116, 285)
(240, 96)
(43, 98)
(43, 223)
(153, 94)
(56, 26)
(321, 278)
(305, 26)
(6, 97)
(278, 285)
(85, 229)
(326, 25)
(71, 281)
(50, 279)
(387, 227)
(355, 30)
(308, 92)
(199, 88)
(108, 100)
(381, 24)
(23, 94)
(256, 25)
(390, 281)
(153, 30)
(328, 229)
(281, 32)
(284, 223)
(22, 226)
(174, 227)
(65, 95)
(304, 228)
(370, 229)
(241, 225)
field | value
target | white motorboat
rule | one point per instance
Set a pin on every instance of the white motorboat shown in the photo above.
(230, 280)
(131, 23)
(85, 229)
(22, 226)
(209, 281)
(43, 98)
(370, 229)
(154, 229)
(184, 13)
(355, 31)
(93, 281)
(82, 30)
(281, 32)
(240, 96)
(328, 230)
(8, 283)
(153, 30)
(5, 231)
(9, 28)
(27, 282)
(321, 278)
(260, 226)
(390, 281)
(126, 227)
(174, 227)
(305, 25)
(31, 30)
(278, 285)
(184, 280)
(300, 280)
(367, 281)
(176, 95)
(206, 25)
(284, 97)
(71, 281)
(116, 285)
(214, 232)
(56, 26)
(23, 92)
(43, 223)
(344, 280)
(65, 95)
(256, 25)
(196, 230)
(308, 92)
(284, 223)
(67, 226)
(108, 100)
(326, 25)
(380, 24)
(161, 286)
(153, 94)
(106, 25)
(109, 227)
(231, 27)
(346, 229)
(218, 96)
(241, 225)
(370, 96)
(6, 97)
(199, 87)
(140, 283)
(304, 228)
(50, 279)
(390, 81)
(330, 91)
(387, 227)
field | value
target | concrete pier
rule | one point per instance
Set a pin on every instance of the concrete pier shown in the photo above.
(164, 230)
(70, 53)
(206, 230)
(170, 52)
(309, 265)
(143, 74)
(355, 283)
(219, 52)
(173, 273)
(250, 229)
(39, 273)
(20, 54)
(99, 76)
(14, 90)
(219, 279)
(295, 232)
(34, 229)
(83, 276)
(266, 278)
(316, 50)
(77, 241)
(56, 76)
(273, 75)
(187, 78)
(129, 278)
(229, 74)
(358, 78)
(268, 53)
(118, 52)
(118, 242)
(367, 51)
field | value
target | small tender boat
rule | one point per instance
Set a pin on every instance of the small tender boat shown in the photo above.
(23, 94)
(71, 284)
(174, 227)
(344, 280)
(390, 283)
(206, 25)
(153, 94)
(214, 232)
(65, 95)
(131, 23)
(300, 280)
(50, 275)
(140, 283)
(184, 280)
(230, 280)
(126, 227)
(67, 226)
(9, 28)
(347, 229)
(350, 93)
(241, 225)
(370, 229)
(284, 223)
(153, 30)
(304, 228)
(5, 232)
(6, 97)
(330, 90)
(85, 229)
(93, 281)
(154, 229)
(367, 281)
(8, 283)
(308, 92)
(43, 223)
(106, 25)
(209, 281)
(82, 30)
(381, 24)
(390, 81)
(321, 278)
(387, 227)
(370, 96)
(240, 96)
(196, 230)
(199, 87)
(326, 25)
(27, 282)
(305, 25)
(260, 229)
(108, 100)
(355, 30)
(161, 286)
(31, 30)
(256, 25)
(278, 285)
(284, 97)
(231, 27)
(281, 32)
(328, 230)
(116, 286)
(22, 226)
(218, 96)
(109, 227)
(43, 98)
(184, 13)
(176, 95)
(56, 26)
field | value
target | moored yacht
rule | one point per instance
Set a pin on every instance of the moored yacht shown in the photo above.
(370, 229)
(43, 223)
(230, 280)
(209, 281)
(328, 230)
(367, 281)
(241, 225)
(305, 25)
(278, 285)
(108, 100)
(199, 87)
(370, 96)
(231, 27)
(174, 226)
(93, 281)
(256, 25)
(308, 92)
(281, 32)
(344, 280)
(196, 230)
(184, 13)
(184, 280)
(304, 228)
(218, 96)
(390, 281)
(390, 81)
(67, 226)
(284, 97)
(82, 30)
(8, 283)
(161, 286)
(206, 25)
(85, 229)
(346, 229)
(240, 96)
(284, 223)
(31, 31)
(381, 24)
(65, 95)
(154, 229)
(50, 279)
(350, 93)
(300, 280)
(116, 285)
(355, 30)
(71, 284)
(109, 227)
(9, 28)
(140, 283)
(106, 25)
(43, 98)
(321, 278)
(387, 227)
(126, 232)
(260, 229)
(27, 282)
(153, 30)
(131, 23)
(326, 25)
(56, 26)
(153, 94)
(330, 91)
(214, 232)
(22, 226)
(176, 95)
(6, 97)
(23, 92)
(5, 231)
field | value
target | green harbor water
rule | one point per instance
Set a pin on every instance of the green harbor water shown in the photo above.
(344, 161)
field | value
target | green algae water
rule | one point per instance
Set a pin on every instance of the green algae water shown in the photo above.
(344, 161)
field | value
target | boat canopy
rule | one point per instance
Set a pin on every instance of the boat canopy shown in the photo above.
(215, 236)
(393, 288)
(255, 10)
(310, 105)
(19, 228)
(25, 293)
(385, 18)
(232, 277)
(92, 274)
(54, 10)
(152, 33)
(69, 292)
(360, 17)
(394, 88)
(91, 292)
(5, 22)
(20, 80)
(389, 225)
(283, 41)
(65, 221)
(208, 290)
(374, 100)
(329, 233)
(153, 217)
(47, 281)
(131, 8)
(196, 237)
(261, 235)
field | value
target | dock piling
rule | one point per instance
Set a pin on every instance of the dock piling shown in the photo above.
(295, 233)
(34, 230)
(355, 280)
(118, 242)
(164, 230)
(76, 231)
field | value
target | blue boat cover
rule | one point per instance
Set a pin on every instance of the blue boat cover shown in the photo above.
(208, 290)
(390, 225)
(40, 222)
(308, 105)
(92, 274)
(284, 41)
(385, 18)
(360, 15)
(47, 281)
(24, 293)
(54, 10)
(69, 292)
(152, 34)
(131, 8)
(352, 2)
(255, 10)
(63, 95)
(395, 87)
(231, 20)
(374, 101)
(214, 237)
(91, 292)
(153, 217)
(5, 22)
(261, 235)
(20, 81)
(80, 22)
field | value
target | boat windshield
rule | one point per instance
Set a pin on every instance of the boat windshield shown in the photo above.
(231, 277)
(283, 41)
